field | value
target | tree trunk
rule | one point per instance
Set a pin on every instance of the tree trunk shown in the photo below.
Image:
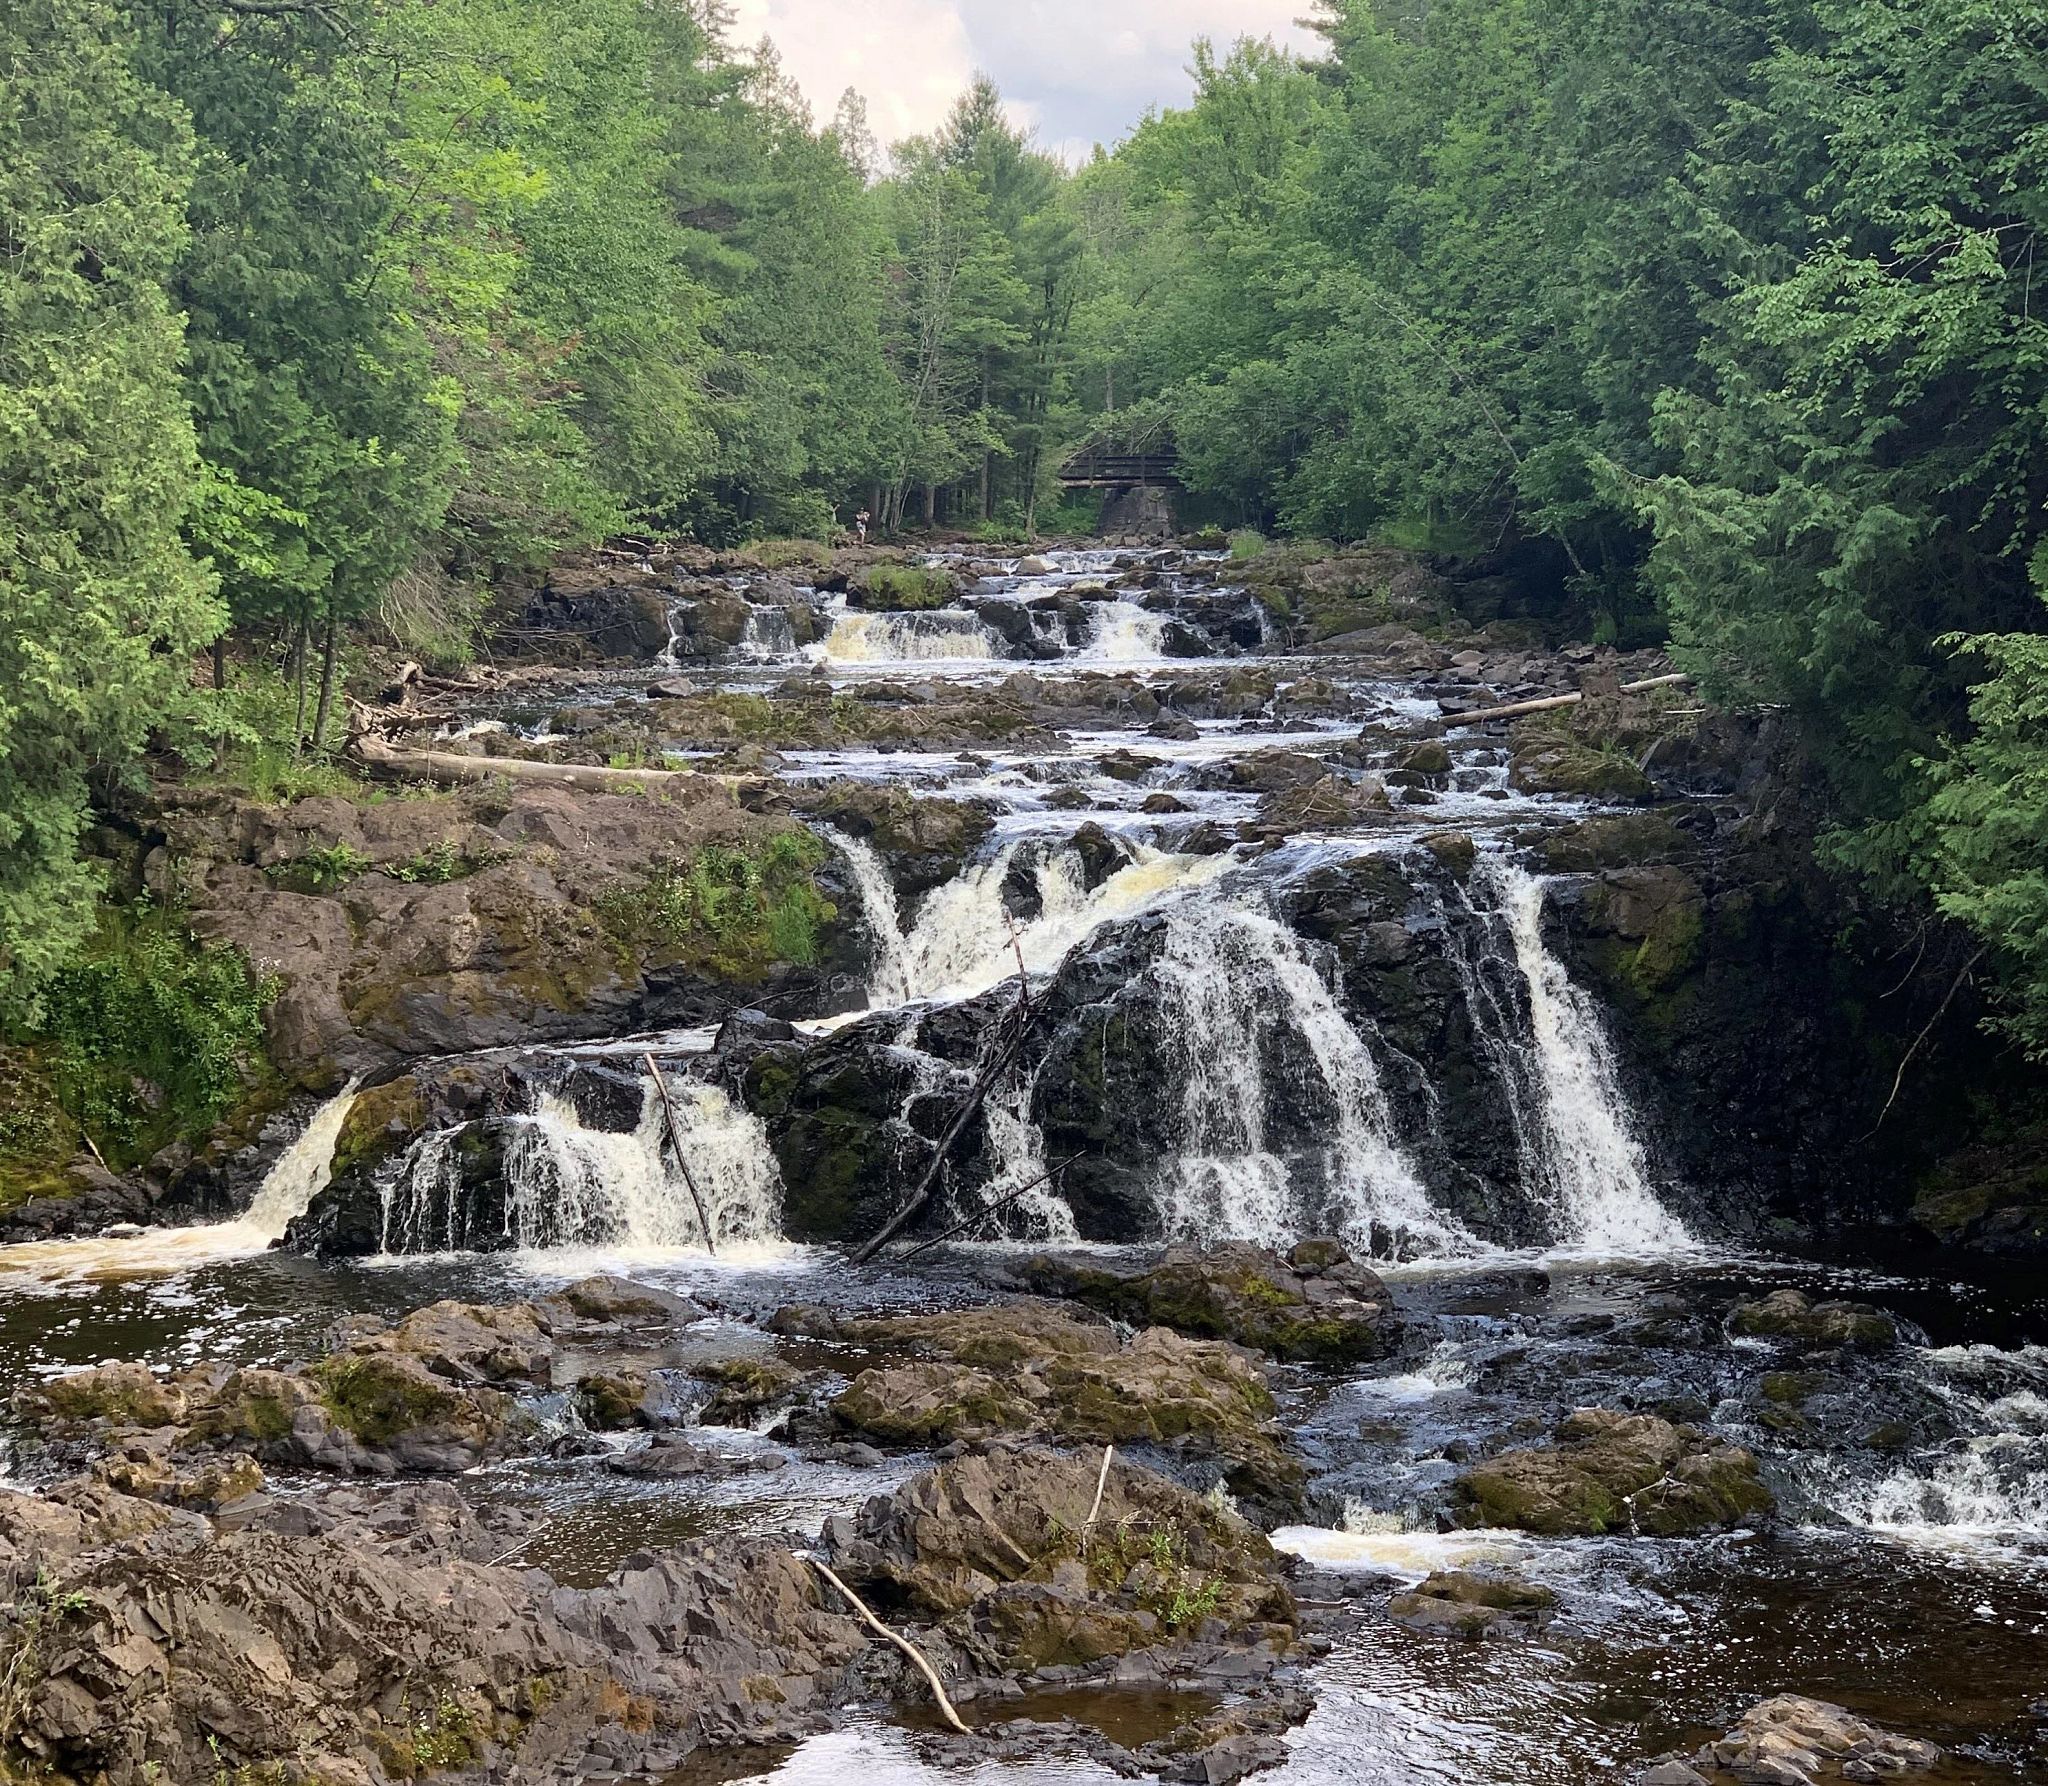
(299, 682)
(326, 705)
(988, 456)
(931, 505)
(220, 664)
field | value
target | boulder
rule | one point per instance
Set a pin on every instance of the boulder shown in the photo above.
(1316, 1303)
(1001, 1551)
(1030, 1371)
(1795, 1741)
(1458, 1603)
(1614, 1472)
(1794, 1318)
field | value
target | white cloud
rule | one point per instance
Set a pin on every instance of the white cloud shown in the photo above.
(1072, 69)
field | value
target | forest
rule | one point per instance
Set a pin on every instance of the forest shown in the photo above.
(320, 317)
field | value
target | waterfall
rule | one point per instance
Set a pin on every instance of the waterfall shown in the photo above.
(1571, 1117)
(1123, 632)
(889, 980)
(1018, 1147)
(964, 940)
(935, 635)
(566, 1185)
(768, 636)
(1238, 981)
(299, 1174)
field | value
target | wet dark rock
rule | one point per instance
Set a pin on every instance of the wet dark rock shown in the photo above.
(1458, 1603)
(1612, 1472)
(1314, 1303)
(749, 1028)
(668, 1455)
(1794, 1318)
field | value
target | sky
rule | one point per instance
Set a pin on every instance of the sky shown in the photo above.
(1076, 72)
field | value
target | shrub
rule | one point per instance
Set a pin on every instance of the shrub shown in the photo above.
(904, 587)
(149, 1036)
(735, 912)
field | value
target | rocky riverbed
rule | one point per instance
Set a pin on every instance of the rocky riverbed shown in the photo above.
(1402, 1277)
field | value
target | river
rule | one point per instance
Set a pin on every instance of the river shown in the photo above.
(1908, 1574)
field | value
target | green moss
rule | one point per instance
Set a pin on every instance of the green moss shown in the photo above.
(37, 1136)
(732, 912)
(376, 1397)
(903, 587)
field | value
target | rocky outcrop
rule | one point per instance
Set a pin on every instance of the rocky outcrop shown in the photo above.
(1010, 1553)
(1611, 1472)
(364, 1638)
(1031, 1370)
(1315, 1303)
(1795, 1741)
(1794, 1319)
(1460, 1603)
(454, 922)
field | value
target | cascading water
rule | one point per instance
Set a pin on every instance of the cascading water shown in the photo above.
(1036, 1213)
(939, 635)
(568, 1185)
(1238, 979)
(300, 1172)
(1123, 632)
(889, 978)
(1579, 1146)
(768, 637)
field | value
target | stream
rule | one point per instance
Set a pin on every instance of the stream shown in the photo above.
(1563, 1265)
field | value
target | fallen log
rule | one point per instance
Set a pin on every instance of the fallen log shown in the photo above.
(458, 771)
(1480, 716)
(1020, 1026)
(675, 1140)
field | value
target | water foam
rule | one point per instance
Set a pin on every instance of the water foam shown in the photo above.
(1571, 1117)
(1236, 978)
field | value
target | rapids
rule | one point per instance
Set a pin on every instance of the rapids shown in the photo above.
(1909, 1576)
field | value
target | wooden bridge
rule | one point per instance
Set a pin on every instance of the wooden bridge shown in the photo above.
(1105, 464)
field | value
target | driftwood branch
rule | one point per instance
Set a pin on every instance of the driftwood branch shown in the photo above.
(1095, 1508)
(902, 1643)
(442, 766)
(977, 1094)
(988, 1209)
(675, 1140)
(1480, 716)
(1906, 1060)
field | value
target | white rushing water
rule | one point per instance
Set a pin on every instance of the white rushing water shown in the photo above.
(1123, 632)
(300, 1173)
(940, 635)
(1571, 1116)
(569, 1185)
(1238, 979)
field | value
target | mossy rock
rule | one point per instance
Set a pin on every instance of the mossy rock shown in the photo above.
(124, 1394)
(1612, 1472)
(377, 1397)
(1795, 1318)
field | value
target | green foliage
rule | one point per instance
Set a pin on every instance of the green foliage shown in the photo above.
(900, 587)
(101, 606)
(149, 1036)
(326, 869)
(734, 911)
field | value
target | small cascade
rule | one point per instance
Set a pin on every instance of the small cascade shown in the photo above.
(889, 980)
(1123, 632)
(1038, 1214)
(1991, 1479)
(299, 1174)
(768, 637)
(934, 636)
(568, 1185)
(1578, 1140)
(1241, 984)
(964, 939)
